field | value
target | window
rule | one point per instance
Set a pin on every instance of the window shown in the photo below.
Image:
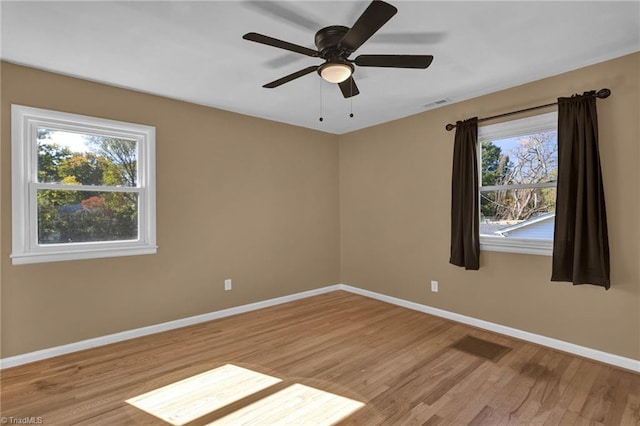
(82, 187)
(519, 167)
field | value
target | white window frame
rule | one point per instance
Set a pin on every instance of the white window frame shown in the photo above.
(529, 125)
(24, 162)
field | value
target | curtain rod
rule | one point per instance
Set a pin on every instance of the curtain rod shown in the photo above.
(602, 94)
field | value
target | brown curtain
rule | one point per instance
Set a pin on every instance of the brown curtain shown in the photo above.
(465, 234)
(581, 242)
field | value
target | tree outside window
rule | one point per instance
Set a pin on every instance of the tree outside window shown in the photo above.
(512, 171)
(81, 214)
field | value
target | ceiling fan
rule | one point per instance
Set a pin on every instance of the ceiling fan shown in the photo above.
(336, 43)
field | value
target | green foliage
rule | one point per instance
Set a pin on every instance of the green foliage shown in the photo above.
(99, 217)
(121, 154)
(491, 170)
(83, 215)
(495, 166)
(50, 156)
(84, 167)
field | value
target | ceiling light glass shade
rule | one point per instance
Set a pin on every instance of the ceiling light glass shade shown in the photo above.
(335, 73)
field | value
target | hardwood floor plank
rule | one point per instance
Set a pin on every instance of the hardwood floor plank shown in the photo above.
(476, 391)
(482, 415)
(434, 421)
(399, 363)
(631, 414)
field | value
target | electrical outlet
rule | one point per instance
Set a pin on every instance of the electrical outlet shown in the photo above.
(227, 284)
(434, 286)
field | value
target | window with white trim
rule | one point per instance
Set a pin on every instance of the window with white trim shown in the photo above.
(518, 170)
(82, 187)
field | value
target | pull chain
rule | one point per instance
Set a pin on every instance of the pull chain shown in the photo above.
(321, 119)
(351, 97)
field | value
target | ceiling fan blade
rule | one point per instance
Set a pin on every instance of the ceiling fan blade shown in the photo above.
(371, 20)
(394, 61)
(290, 77)
(270, 41)
(349, 88)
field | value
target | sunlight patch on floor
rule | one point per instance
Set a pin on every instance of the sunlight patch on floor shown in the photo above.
(184, 401)
(294, 405)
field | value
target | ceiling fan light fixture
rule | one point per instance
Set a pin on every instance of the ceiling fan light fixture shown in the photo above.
(336, 72)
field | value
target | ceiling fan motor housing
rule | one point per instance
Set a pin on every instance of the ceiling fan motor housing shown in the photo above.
(327, 40)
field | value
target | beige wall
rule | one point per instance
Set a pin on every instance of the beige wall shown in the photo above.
(282, 209)
(238, 197)
(395, 203)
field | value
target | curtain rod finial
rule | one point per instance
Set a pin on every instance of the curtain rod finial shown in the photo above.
(449, 127)
(603, 93)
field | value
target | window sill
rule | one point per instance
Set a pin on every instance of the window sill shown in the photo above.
(80, 254)
(521, 245)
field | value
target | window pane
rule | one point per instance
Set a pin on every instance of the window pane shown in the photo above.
(83, 159)
(518, 213)
(83, 216)
(520, 160)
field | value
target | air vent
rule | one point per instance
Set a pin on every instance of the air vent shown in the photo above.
(437, 103)
(482, 348)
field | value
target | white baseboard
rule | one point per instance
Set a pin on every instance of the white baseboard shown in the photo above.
(616, 360)
(152, 329)
(605, 357)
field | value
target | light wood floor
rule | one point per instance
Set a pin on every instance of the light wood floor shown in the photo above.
(397, 362)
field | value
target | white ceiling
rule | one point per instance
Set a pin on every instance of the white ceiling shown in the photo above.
(194, 51)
